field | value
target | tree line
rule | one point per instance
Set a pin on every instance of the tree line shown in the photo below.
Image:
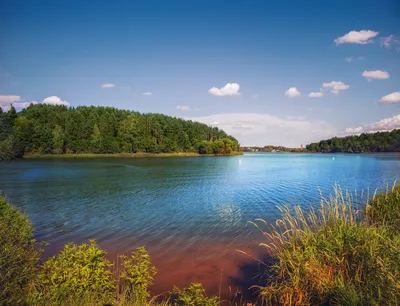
(364, 143)
(57, 129)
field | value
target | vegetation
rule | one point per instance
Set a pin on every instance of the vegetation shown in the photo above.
(337, 256)
(271, 149)
(56, 129)
(18, 257)
(364, 143)
(194, 295)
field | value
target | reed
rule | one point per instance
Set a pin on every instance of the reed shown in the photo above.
(336, 255)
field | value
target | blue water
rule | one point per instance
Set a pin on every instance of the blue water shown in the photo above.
(190, 209)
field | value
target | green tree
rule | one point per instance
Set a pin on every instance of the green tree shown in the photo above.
(58, 139)
(96, 139)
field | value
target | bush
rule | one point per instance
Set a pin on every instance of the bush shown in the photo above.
(333, 257)
(18, 257)
(136, 276)
(194, 295)
(79, 273)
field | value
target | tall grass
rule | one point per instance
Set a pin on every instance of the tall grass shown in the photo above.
(335, 256)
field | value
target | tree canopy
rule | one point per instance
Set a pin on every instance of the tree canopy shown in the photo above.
(47, 129)
(364, 143)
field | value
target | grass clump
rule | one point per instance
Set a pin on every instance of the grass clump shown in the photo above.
(384, 209)
(18, 256)
(335, 256)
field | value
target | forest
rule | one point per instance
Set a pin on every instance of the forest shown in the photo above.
(57, 129)
(364, 143)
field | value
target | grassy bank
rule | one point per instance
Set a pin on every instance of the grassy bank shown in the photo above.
(123, 155)
(337, 255)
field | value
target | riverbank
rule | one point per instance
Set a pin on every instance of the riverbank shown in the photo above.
(123, 155)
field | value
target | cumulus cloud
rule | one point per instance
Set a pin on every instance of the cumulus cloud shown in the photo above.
(6, 101)
(376, 74)
(147, 93)
(9, 99)
(390, 41)
(394, 97)
(54, 100)
(262, 129)
(183, 107)
(108, 85)
(357, 37)
(230, 89)
(292, 92)
(336, 86)
(18, 103)
(317, 94)
(384, 125)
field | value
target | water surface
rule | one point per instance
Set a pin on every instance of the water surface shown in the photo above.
(191, 213)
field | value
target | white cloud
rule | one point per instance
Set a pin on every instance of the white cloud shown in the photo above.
(357, 37)
(147, 93)
(108, 85)
(394, 97)
(390, 41)
(384, 125)
(230, 89)
(183, 107)
(317, 94)
(376, 74)
(54, 100)
(352, 59)
(6, 101)
(9, 99)
(336, 86)
(263, 129)
(357, 130)
(292, 92)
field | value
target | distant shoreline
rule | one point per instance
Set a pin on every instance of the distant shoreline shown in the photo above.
(122, 155)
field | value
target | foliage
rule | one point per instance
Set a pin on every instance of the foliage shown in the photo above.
(194, 295)
(78, 273)
(137, 275)
(332, 257)
(46, 129)
(18, 257)
(374, 142)
(384, 209)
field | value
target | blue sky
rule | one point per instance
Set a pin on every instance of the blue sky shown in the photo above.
(177, 51)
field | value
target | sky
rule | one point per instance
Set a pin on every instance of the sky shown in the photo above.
(267, 72)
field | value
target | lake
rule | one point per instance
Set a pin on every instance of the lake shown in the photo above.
(191, 213)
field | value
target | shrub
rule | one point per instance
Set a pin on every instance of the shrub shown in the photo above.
(79, 273)
(194, 295)
(137, 275)
(333, 257)
(18, 257)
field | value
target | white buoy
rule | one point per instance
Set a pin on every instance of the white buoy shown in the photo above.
(333, 158)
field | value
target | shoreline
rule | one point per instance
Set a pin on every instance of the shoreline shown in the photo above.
(123, 155)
